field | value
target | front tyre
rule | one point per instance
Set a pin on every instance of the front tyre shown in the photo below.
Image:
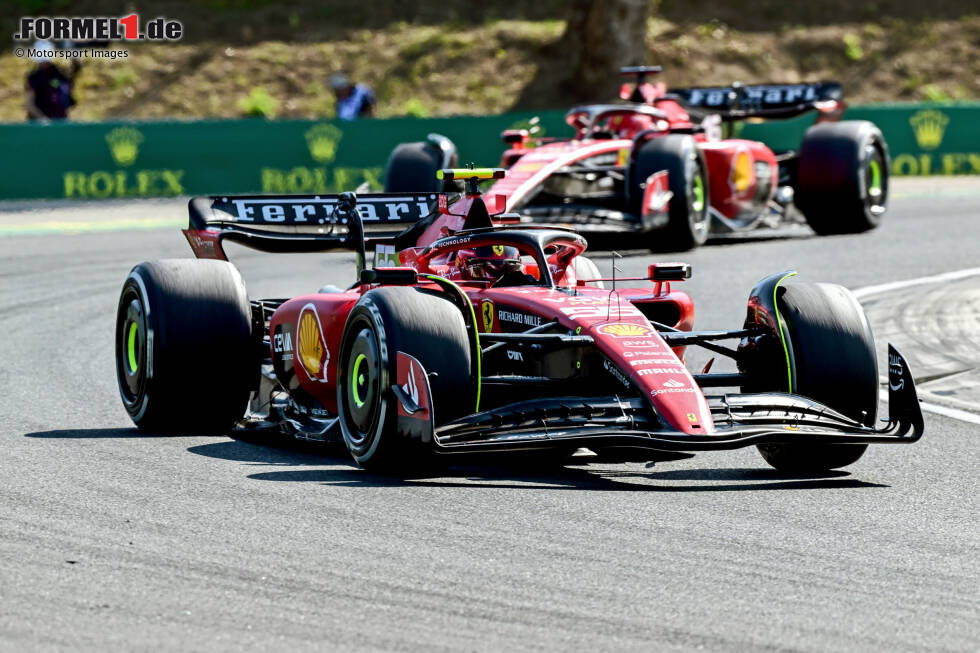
(687, 177)
(387, 321)
(835, 362)
(842, 181)
(184, 354)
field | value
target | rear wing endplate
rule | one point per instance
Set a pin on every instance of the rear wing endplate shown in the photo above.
(300, 223)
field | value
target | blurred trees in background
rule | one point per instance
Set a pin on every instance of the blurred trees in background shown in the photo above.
(600, 37)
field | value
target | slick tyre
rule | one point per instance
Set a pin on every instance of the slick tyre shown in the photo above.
(185, 361)
(834, 356)
(384, 322)
(842, 180)
(412, 168)
(687, 178)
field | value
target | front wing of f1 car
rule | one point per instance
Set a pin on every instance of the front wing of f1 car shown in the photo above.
(740, 420)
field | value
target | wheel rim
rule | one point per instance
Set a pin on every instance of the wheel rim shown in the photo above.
(362, 387)
(132, 353)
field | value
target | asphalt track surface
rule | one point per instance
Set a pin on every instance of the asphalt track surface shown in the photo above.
(111, 540)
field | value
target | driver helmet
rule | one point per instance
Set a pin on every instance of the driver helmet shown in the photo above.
(488, 262)
(628, 125)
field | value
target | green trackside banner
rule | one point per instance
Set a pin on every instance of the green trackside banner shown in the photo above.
(160, 159)
(923, 139)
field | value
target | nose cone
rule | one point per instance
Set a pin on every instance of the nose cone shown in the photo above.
(639, 357)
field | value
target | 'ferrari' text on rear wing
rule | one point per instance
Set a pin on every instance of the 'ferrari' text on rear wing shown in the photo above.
(764, 100)
(299, 223)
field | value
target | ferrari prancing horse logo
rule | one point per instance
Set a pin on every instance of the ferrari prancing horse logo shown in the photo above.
(489, 315)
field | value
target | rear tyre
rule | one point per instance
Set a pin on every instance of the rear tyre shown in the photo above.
(842, 181)
(384, 322)
(412, 168)
(687, 178)
(836, 364)
(184, 355)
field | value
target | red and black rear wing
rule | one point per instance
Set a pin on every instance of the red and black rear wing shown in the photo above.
(737, 102)
(300, 223)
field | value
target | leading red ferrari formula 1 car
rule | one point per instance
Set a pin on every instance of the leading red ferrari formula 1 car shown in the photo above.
(657, 165)
(487, 336)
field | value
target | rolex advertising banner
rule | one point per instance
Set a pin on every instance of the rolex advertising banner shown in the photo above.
(161, 159)
(923, 139)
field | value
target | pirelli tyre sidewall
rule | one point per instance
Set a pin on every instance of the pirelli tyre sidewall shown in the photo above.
(185, 361)
(133, 346)
(384, 322)
(364, 335)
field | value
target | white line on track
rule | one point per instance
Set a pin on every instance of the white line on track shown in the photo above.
(955, 275)
(868, 291)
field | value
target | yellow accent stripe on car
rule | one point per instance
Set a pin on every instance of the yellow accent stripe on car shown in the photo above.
(476, 332)
(783, 331)
(471, 173)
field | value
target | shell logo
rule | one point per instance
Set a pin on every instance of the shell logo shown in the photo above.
(313, 352)
(626, 330)
(742, 172)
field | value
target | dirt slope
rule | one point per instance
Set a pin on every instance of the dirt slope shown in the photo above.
(254, 56)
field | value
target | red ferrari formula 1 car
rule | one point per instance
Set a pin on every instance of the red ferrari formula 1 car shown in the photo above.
(658, 165)
(487, 336)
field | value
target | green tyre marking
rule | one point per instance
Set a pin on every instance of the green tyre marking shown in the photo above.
(698, 203)
(875, 188)
(355, 377)
(782, 330)
(131, 347)
(476, 334)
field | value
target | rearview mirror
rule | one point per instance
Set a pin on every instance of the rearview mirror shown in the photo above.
(669, 271)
